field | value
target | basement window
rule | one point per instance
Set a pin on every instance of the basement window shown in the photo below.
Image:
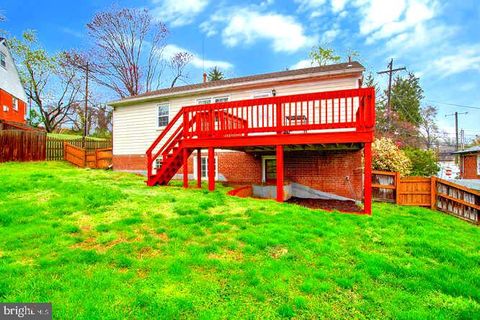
(163, 115)
(204, 164)
(3, 60)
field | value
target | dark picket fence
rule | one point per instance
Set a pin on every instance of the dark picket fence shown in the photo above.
(20, 145)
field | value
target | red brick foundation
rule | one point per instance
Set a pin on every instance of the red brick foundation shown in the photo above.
(337, 172)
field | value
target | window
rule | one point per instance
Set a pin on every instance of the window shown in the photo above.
(212, 100)
(3, 60)
(478, 164)
(5, 108)
(15, 103)
(262, 94)
(204, 166)
(163, 115)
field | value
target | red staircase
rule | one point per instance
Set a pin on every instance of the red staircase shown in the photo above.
(170, 154)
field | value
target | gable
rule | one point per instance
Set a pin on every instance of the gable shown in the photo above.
(9, 78)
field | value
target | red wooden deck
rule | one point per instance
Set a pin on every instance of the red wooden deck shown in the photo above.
(346, 116)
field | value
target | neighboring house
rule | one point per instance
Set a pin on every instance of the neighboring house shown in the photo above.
(446, 161)
(13, 106)
(469, 163)
(311, 127)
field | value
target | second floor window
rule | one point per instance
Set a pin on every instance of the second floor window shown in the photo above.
(163, 115)
(15, 104)
(3, 60)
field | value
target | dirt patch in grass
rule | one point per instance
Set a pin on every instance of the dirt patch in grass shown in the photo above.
(330, 205)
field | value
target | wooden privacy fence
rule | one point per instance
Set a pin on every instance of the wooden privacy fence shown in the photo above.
(20, 145)
(433, 192)
(55, 146)
(96, 159)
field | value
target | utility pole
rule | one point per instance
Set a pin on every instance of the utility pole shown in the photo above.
(390, 72)
(456, 130)
(85, 129)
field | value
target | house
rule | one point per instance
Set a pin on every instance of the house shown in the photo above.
(311, 128)
(13, 106)
(469, 163)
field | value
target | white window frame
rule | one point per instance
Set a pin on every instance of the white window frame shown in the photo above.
(158, 114)
(14, 103)
(3, 60)
(264, 158)
(478, 164)
(195, 170)
(212, 100)
(6, 108)
(262, 94)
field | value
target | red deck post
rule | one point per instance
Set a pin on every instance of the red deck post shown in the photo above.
(199, 168)
(280, 173)
(185, 167)
(211, 169)
(367, 183)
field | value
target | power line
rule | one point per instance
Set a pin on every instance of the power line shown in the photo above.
(390, 72)
(453, 104)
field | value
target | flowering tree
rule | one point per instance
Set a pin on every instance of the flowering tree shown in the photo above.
(387, 156)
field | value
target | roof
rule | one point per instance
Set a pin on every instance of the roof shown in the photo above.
(473, 149)
(9, 125)
(340, 68)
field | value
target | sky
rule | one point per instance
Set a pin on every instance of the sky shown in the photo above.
(437, 40)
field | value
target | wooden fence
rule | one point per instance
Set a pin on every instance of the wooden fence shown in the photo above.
(432, 192)
(96, 159)
(56, 151)
(20, 145)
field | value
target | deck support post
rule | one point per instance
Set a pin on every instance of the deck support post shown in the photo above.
(199, 168)
(211, 169)
(367, 178)
(280, 172)
(185, 167)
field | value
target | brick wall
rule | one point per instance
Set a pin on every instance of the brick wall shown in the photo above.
(469, 166)
(338, 172)
(133, 162)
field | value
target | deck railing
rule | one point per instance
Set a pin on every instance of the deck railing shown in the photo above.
(346, 109)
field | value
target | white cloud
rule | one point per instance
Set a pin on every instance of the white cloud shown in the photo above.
(302, 64)
(248, 25)
(170, 50)
(178, 12)
(72, 32)
(464, 59)
(381, 19)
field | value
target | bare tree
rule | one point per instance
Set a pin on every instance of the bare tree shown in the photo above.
(49, 81)
(428, 126)
(177, 64)
(127, 50)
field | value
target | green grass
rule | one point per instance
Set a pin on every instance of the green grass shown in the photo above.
(101, 244)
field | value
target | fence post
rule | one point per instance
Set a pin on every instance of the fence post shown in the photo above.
(96, 158)
(433, 193)
(397, 185)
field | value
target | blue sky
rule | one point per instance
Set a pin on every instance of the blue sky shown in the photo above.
(437, 40)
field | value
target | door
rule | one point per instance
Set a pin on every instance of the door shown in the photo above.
(270, 170)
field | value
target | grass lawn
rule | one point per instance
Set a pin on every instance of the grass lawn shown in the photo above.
(100, 244)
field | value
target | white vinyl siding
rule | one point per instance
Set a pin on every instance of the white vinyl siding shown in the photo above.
(135, 127)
